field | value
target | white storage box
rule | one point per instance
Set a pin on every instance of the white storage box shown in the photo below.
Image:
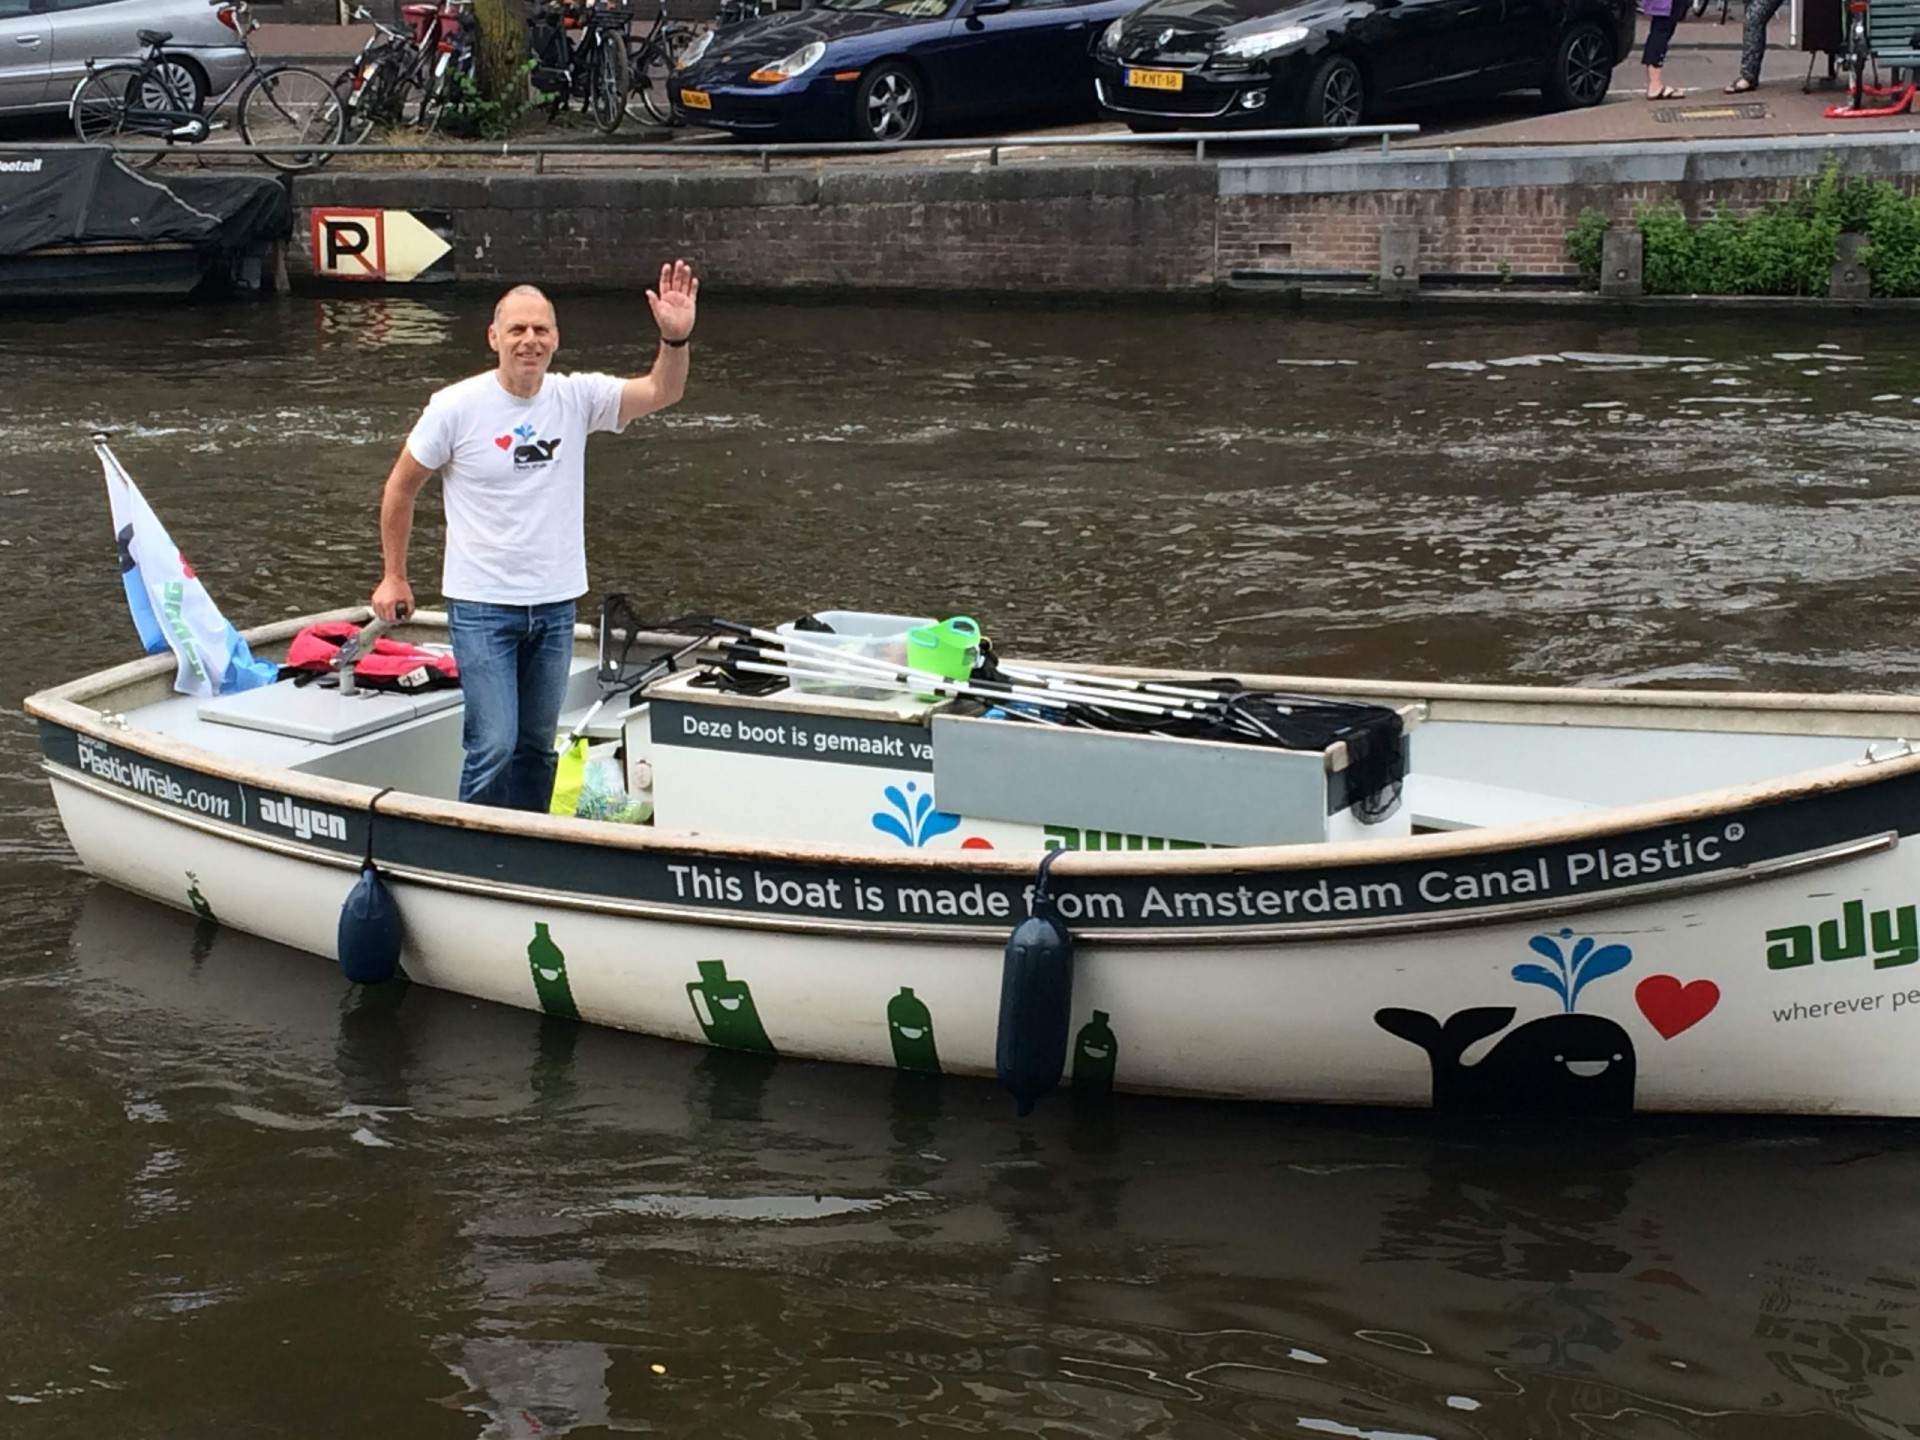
(812, 769)
(856, 633)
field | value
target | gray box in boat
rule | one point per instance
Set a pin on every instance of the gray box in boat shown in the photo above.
(1213, 791)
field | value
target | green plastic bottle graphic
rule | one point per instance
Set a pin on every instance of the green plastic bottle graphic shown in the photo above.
(197, 900)
(725, 1010)
(549, 967)
(1094, 1053)
(910, 1024)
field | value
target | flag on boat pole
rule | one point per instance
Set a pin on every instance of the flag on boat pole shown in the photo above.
(171, 608)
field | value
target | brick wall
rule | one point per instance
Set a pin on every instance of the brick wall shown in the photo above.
(1494, 213)
(1055, 228)
(1152, 226)
(1517, 230)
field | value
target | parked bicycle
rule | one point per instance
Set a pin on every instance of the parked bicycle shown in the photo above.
(395, 66)
(592, 69)
(145, 107)
(651, 60)
(1857, 58)
(449, 77)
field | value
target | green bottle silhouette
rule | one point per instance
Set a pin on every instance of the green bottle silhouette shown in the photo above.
(910, 1024)
(197, 900)
(1094, 1053)
(725, 1010)
(549, 967)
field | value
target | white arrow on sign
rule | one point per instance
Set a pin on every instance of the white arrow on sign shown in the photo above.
(410, 246)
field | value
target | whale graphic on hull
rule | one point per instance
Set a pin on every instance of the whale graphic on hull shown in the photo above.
(1556, 1065)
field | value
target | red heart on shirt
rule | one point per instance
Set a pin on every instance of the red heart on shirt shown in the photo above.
(503, 441)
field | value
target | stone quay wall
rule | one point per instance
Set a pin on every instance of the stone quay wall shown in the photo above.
(1133, 226)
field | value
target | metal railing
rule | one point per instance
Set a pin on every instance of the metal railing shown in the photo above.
(991, 145)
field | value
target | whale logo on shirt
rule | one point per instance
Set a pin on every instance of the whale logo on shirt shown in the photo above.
(538, 452)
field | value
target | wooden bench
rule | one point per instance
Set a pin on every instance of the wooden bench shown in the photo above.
(1893, 33)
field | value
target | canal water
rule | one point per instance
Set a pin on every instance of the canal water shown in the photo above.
(240, 1198)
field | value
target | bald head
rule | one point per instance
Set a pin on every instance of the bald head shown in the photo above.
(524, 292)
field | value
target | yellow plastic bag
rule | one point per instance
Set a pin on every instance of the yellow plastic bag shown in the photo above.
(568, 776)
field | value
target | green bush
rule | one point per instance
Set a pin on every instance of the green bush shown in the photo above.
(1892, 254)
(1667, 261)
(1583, 244)
(471, 114)
(1787, 248)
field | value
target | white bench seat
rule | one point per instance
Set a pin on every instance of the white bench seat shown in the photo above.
(1438, 802)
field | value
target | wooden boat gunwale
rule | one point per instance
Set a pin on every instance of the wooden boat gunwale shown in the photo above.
(67, 705)
(73, 706)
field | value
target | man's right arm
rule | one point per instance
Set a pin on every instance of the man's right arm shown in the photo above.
(393, 598)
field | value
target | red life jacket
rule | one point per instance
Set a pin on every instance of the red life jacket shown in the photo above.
(393, 665)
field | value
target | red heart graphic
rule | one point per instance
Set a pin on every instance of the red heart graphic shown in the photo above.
(1671, 1007)
(503, 441)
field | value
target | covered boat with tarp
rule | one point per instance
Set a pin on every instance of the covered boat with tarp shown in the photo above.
(77, 221)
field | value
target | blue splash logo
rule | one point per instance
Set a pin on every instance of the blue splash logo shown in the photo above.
(917, 821)
(1571, 973)
(525, 432)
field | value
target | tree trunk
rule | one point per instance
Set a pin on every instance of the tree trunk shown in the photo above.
(500, 51)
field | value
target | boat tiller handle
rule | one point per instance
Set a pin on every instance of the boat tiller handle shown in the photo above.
(360, 643)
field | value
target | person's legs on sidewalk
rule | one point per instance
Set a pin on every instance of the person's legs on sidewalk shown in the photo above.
(545, 661)
(486, 646)
(1753, 44)
(1654, 57)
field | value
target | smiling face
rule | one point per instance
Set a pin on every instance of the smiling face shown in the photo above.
(524, 334)
(1563, 1065)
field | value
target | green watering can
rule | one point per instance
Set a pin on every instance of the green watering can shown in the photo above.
(950, 650)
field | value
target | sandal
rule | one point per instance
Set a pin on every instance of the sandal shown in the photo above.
(1742, 85)
(1667, 92)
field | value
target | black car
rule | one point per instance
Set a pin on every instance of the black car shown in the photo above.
(882, 69)
(1267, 65)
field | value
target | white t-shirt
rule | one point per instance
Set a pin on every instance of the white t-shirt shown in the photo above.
(514, 479)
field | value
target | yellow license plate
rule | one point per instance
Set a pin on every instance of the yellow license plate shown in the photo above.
(696, 100)
(1155, 79)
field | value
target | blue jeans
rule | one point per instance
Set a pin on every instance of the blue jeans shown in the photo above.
(514, 661)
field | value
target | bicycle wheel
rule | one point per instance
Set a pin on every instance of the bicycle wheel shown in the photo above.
(607, 85)
(648, 71)
(106, 109)
(291, 105)
(441, 88)
(372, 96)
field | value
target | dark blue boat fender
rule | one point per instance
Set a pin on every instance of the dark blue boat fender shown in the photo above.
(1036, 999)
(369, 930)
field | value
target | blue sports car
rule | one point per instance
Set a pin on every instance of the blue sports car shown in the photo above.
(884, 69)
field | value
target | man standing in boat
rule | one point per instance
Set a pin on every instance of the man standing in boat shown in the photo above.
(509, 445)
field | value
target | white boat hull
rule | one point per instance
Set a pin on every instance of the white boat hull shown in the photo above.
(1782, 984)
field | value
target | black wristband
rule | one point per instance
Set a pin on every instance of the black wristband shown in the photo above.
(675, 344)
